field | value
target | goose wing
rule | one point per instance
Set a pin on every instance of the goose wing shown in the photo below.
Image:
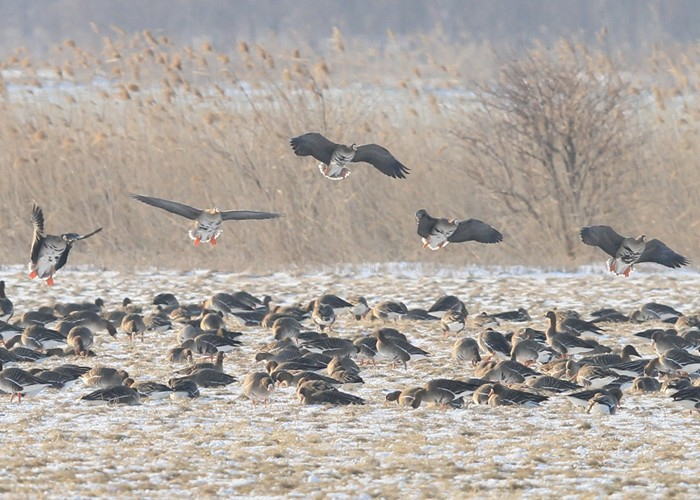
(247, 215)
(170, 206)
(313, 144)
(381, 159)
(603, 237)
(38, 223)
(475, 230)
(656, 251)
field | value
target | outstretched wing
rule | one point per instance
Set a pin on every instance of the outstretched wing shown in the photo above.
(603, 237)
(381, 159)
(170, 206)
(426, 225)
(247, 214)
(38, 223)
(64, 257)
(657, 251)
(475, 230)
(314, 144)
(86, 236)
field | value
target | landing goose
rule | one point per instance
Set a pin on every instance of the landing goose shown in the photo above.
(626, 252)
(438, 233)
(207, 223)
(334, 157)
(49, 253)
(6, 308)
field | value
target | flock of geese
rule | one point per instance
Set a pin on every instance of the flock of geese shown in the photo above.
(525, 367)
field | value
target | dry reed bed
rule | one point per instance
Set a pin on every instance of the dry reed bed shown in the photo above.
(210, 126)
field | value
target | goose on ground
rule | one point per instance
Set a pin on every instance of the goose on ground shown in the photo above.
(679, 360)
(518, 315)
(311, 393)
(183, 389)
(19, 383)
(93, 321)
(323, 315)
(116, 395)
(150, 390)
(291, 379)
(207, 223)
(610, 359)
(133, 325)
(286, 327)
(104, 377)
(688, 398)
(331, 346)
(360, 307)
(208, 377)
(595, 377)
(453, 321)
(494, 343)
(258, 386)
(410, 398)
(552, 384)
(49, 253)
(466, 350)
(602, 403)
(38, 337)
(395, 348)
(6, 307)
(443, 391)
(218, 365)
(9, 332)
(626, 252)
(565, 343)
(447, 303)
(653, 311)
(528, 351)
(583, 398)
(669, 339)
(389, 310)
(501, 395)
(80, 339)
(438, 233)
(335, 158)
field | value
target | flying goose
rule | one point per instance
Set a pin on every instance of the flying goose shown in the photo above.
(335, 157)
(49, 253)
(6, 308)
(207, 223)
(437, 233)
(626, 252)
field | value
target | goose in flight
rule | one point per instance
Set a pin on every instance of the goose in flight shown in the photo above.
(626, 252)
(207, 223)
(437, 233)
(335, 157)
(49, 253)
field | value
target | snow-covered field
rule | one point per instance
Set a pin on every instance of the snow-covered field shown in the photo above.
(219, 444)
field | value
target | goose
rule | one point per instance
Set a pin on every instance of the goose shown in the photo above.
(339, 305)
(104, 377)
(57, 379)
(258, 386)
(210, 344)
(64, 309)
(117, 395)
(312, 393)
(666, 340)
(165, 301)
(603, 403)
(633, 368)
(178, 354)
(218, 365)
(207, 223)
(323, 315)
(395, 348)
(447, 303)
(501, 395)
(334, 157)
(389, 310)
(595, 377)
(150, 390)
(688, 397)
(610, 359)
(652, 311)
(36, 318)
(646, 384)
(286, 327)
(211, 321)
(288, 379)
(518, 315)
(552, 384)
(438, 233)
(49, 253)
(626, 252)
(583, 398)
(527, 351)
(183, 389)
(494, 343)
(331, 346)
(565, 343)
(207, 377)
(6, 307)
(133, 325)
(20, 383)
(38, 337)
(410, 398)
(366, 348)
(80, 338)
(453, 321)
(481, 395)
(93, 321)
(679, 360)
(157, 323)
(443, 391)
(466, 350)
(24, 354)
(8, 331)
(360, 307)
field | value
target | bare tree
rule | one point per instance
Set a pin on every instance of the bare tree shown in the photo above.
(550, 138)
